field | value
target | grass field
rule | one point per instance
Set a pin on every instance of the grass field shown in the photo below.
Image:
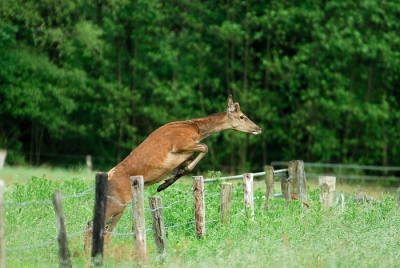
(360, 234)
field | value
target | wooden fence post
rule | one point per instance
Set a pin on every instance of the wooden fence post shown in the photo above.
(298, 181)
(286, 189)
(89, 164)
(327, 184)
(63, 251)
(139, 228)
(269, 184)
(2, 241)
(226, 197)
(99, 218)
(3, 155)
(158, 223)
(199, 206)
(248, 195)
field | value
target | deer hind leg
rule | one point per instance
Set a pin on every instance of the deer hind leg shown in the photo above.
(115, 209)
(181, 171)
(113, 213)
(110, 227)
(87, 244)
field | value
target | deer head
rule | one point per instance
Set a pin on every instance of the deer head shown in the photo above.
(238, 120)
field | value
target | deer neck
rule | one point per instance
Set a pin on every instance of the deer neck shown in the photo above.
(211, 124)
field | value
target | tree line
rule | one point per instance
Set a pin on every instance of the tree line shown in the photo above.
(97, 77)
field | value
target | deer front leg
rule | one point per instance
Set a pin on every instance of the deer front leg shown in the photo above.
(179, 172)
(185, 170)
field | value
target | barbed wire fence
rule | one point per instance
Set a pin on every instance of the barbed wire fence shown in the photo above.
(90, 191)
(208, 194)
(44, 203)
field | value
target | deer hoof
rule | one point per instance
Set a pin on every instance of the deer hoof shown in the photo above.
(161, 187)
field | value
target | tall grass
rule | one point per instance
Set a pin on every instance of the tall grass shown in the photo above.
(356, 235)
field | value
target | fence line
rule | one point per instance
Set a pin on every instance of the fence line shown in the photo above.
(46, 202)
(43, 244)
(363, 167)
(54, 241)
(175, 202)
(46, 243)
(342, 167)
(49, 202)
(282, 172)
(278, 172)
(116, 201)
(170, 205)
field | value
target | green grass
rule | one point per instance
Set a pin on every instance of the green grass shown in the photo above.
(358, 235)
(22, 174)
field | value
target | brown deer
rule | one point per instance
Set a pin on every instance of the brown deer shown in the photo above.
(167, 149)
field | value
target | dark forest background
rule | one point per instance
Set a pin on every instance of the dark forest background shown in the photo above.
(322, 78)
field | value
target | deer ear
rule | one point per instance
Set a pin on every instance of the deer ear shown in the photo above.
(231, 105)
(237, 107)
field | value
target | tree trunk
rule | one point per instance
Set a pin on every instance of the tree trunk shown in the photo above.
(244, 143)
(346, 130)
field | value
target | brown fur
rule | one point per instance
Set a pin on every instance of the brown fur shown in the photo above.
(164, 151)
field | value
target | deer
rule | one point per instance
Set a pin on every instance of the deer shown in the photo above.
(168, 150)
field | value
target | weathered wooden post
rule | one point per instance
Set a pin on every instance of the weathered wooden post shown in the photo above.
(199, 206)
(3, 155)
(248, 195)
(158, 223)
(63, 251)
(2, 241)
(269, 185)
(327, 184)
(298, 181)
(226, 197)
(89, 164)
(286, 189)
(139, 228)
(99, 218)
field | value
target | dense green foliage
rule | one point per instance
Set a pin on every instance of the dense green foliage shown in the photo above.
(96, 77)
(356, 235)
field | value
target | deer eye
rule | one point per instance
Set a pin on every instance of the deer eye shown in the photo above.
(241, 117)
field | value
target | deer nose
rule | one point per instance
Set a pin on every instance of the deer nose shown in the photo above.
(256, 132)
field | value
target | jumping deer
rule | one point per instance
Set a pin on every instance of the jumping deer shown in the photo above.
(167, 149)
